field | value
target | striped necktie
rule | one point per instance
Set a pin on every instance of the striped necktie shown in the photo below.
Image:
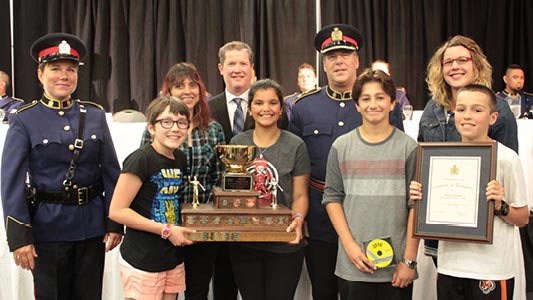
(238, 117)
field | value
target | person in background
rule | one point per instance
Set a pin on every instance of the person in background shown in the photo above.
(401, 93)
(203, 135)
(254, 77)
(368, 169)
(146, 201)
(484, 271)
(306, 82)
(272, 270)
(514, 84)
(57, 226)
(459, 61)
(319, 118)
(8, 104)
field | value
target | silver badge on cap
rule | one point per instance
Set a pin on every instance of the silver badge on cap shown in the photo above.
(64, 47)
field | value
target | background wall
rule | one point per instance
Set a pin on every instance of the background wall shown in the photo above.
(133, 43)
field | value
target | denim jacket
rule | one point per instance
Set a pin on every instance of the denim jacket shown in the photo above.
(435, 126)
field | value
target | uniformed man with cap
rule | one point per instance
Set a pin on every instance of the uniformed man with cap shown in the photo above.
(59, 169)
(319, 117)
(8, 104)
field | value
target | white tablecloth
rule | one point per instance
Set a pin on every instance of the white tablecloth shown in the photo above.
(16, 284)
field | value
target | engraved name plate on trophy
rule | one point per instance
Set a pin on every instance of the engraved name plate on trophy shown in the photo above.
(236, 158)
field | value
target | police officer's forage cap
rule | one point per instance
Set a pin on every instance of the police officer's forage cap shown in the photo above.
(55, 46)
(338, 36)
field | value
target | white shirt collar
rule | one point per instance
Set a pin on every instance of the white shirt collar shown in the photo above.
(230, 96)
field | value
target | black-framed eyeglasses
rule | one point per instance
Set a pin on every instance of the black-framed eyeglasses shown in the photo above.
(461, 60)
(169, 123)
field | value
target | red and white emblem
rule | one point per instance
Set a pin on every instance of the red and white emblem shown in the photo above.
(265, 177)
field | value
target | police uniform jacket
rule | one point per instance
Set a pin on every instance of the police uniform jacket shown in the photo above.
(288, 102)
(319, 117)
(9, 105)
(526, 102)
(39, 143)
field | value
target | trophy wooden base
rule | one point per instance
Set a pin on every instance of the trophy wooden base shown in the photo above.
(261, 224)
(216, 235)
(235, 199)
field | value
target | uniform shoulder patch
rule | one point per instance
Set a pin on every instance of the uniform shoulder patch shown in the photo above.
(90, 103)
(291, 95)
(26, 106)
(310, 92)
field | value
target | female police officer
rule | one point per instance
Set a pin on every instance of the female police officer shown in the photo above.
(60, 229)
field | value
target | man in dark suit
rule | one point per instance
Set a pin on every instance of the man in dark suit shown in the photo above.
(236, 67)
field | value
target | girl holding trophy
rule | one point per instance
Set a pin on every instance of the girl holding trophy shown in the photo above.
(272, 270)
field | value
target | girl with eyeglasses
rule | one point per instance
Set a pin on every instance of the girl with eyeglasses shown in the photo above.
(147, 201)
(203, 135)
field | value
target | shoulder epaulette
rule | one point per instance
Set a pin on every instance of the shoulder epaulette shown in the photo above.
(400, 88)
(291, 95)
(529, 94)
(90, 103)
(17, 99)
(310, 92)
(26, 106)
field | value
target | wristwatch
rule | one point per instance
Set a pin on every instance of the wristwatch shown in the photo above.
(410, 263)
(504, 210)
(165, 232)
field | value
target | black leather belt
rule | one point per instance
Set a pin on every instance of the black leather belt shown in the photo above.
(79, 196)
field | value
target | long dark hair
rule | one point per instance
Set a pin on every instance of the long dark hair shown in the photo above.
(177, 74)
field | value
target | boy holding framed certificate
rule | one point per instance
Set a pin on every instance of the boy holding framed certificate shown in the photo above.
(484, 271)
(366, 198)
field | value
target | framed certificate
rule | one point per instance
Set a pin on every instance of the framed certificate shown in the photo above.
(454, 177)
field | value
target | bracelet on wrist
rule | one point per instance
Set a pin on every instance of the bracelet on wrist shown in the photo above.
(297, 216)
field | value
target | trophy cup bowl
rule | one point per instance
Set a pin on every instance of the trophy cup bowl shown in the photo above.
(236, 158)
